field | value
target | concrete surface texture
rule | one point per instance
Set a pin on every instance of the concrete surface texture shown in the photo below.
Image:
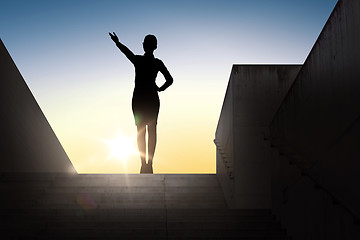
(317, 129)
(253, 95)
(27, 142)
(71, 206)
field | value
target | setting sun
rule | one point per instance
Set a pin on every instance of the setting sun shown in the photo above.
(121, 147)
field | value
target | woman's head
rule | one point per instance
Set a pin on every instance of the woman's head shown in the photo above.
(150, 43)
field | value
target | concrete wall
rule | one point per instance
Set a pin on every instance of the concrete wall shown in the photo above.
(317, 128)
(253, 95)
(224, 141)
(27, 142)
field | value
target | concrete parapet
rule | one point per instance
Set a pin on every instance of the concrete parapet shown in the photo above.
(317, 131)
(253, 95)
(27, 142)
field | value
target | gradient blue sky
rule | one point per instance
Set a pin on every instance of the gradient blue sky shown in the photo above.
(64, 53)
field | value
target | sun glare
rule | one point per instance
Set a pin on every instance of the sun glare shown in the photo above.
(121, 147)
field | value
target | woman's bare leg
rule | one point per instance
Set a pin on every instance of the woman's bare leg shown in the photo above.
(151, 142)
(141, 143)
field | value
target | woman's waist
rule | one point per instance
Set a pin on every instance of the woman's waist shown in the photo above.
(146, 87)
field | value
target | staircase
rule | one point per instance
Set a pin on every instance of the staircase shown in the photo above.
(119, 206)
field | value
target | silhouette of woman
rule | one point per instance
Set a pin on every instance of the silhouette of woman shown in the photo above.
(145, 100)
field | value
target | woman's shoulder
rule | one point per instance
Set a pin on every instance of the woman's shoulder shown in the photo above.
(138, 59)
(159, 62)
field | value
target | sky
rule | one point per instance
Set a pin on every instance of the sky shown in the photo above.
(84, 84)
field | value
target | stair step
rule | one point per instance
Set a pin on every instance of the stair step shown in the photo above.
(126, 206)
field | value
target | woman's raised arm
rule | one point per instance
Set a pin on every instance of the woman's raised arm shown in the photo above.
(128, 53)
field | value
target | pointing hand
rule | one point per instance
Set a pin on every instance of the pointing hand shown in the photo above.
(114, 37)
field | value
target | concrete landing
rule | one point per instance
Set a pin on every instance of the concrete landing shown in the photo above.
(98, 206)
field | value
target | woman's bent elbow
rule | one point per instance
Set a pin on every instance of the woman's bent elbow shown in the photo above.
(170, 80)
